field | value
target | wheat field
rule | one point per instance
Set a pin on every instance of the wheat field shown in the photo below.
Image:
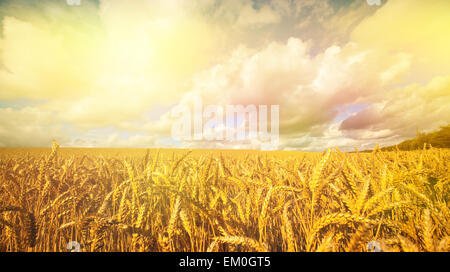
(206, 200)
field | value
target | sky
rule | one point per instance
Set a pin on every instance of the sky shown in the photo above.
(107, 73)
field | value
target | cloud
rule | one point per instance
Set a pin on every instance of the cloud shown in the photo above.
(112, 64)
(405, 109)
(419, 28)
(308, 89)
(249, 17)
(361, 120)
(40, 64)
(239, 14)
(106, 72)
(29, 127)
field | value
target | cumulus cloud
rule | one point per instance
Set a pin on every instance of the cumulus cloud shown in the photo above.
(405, 109)
(308, 89)
(29, 127)
(112, 64)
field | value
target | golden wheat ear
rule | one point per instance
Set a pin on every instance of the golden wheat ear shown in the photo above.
(29, 224)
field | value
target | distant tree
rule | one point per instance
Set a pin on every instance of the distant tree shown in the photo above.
(440, 139)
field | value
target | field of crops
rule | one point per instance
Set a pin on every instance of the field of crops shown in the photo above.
(205, 200)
